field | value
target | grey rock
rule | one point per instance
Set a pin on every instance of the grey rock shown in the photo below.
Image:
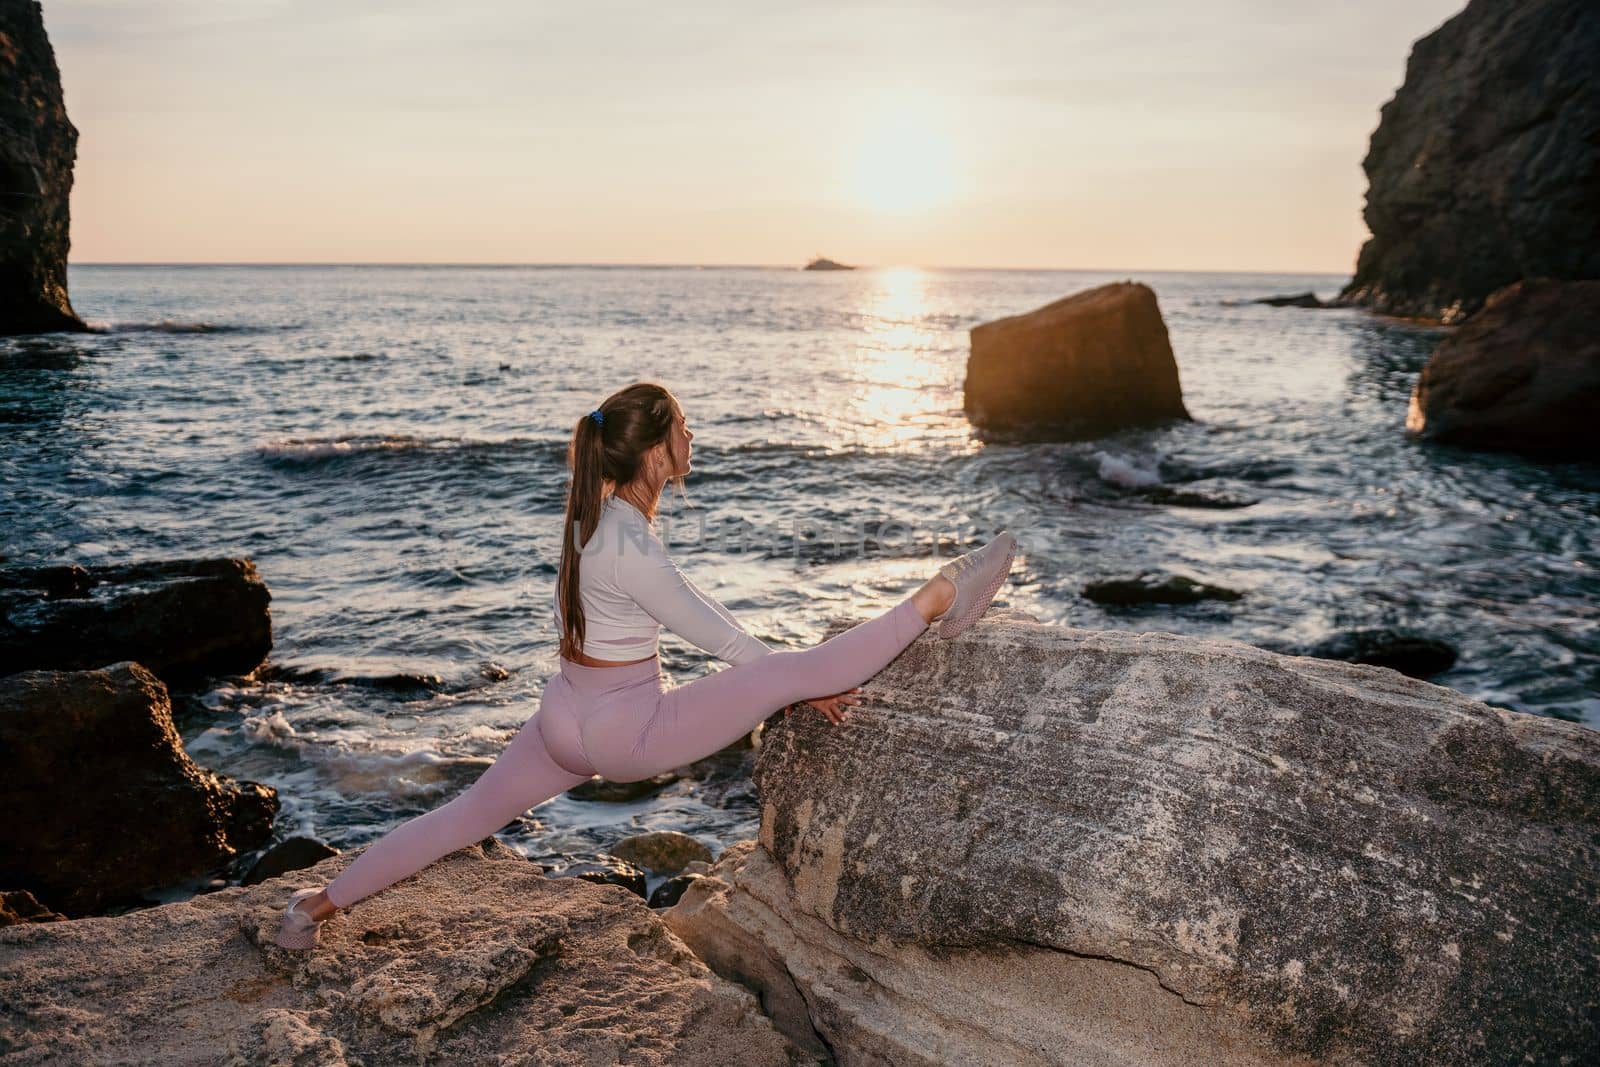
(1485, 166)
(1317, 859)
(1298, 300)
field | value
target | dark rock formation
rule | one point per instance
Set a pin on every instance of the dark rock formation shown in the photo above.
(1410, 654)
(1040, 844)
(606, 791)
(19, 906)
(606, 871)
(671, 891)
(1485, 167)
(290, 854)
(1155, 587)
(1082, 367)
(1298, 300)
(101, 802)
(823, 263)
(181, 620)
(1523, 373)
(479, 959)
(37, 147)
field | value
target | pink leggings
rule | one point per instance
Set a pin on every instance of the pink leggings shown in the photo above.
(619, 723)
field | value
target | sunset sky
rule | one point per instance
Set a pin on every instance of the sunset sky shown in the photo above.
(1166, 135)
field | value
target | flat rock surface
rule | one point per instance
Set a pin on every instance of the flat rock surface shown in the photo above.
(479, 959)
(1350, 864)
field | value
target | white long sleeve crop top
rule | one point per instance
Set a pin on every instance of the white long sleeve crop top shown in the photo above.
(630, 588)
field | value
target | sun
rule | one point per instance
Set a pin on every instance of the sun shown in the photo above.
(904, 164)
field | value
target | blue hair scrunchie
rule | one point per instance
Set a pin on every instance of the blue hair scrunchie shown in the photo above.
(599, 419)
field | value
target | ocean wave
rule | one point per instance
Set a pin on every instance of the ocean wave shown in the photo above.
(165, 326)
(1119, 471)
(318, 449)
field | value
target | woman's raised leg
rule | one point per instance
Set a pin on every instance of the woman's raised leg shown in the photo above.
(696, 719)
(523, 776)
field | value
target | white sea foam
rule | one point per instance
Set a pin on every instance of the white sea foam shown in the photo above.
(1118, 470)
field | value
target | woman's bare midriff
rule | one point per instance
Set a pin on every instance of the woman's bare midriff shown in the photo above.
(590, 661)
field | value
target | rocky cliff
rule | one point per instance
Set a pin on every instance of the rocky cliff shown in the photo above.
(37, 147)
(1485, 166)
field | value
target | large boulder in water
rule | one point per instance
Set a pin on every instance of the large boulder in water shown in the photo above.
(1045, 845)
(101, 802)
(1523, 373)
(181, 619)
(1082, 367)
(1485, 166)
(478, 959)
(37, 148)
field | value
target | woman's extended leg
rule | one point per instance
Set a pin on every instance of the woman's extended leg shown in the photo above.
(709, 713)
(523, 776)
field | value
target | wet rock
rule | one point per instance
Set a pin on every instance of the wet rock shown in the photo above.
(1410, 654)
(1082, 367)
(605, 791)
(606, 872)
(661, 851)
(182, 620)
(1298, 300)
(102, 802)
(1191, 496)
(291, 854)
(1155, 587)
(669, 892)
(1522, 374)
(38, 144)
(1483, 167)
(478, 959)
(1042, 844)
(18, 906)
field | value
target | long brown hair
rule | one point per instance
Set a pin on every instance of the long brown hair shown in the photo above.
(636, 419)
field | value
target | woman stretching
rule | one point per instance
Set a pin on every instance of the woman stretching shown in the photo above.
(611, 716)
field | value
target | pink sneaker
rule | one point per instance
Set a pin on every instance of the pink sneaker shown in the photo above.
(977, 576)
(299, 930)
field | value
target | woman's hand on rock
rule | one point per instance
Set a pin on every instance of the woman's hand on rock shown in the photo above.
(833, 707)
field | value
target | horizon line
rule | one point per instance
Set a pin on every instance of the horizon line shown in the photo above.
(605, 265)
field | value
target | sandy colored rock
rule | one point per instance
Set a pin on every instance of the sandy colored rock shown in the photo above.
(100, 800)
(1325, 860)
(1523, 373)
(661, 851)
(1084, 366)
(479, 959)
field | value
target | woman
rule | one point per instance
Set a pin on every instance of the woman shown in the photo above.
(605, 711)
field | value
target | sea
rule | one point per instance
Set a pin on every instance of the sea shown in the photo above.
(388, 444)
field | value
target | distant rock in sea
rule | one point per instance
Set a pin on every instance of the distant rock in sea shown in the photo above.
(1522, 374)
(1297, 300)
(37, 147)
(1087, 365)
(1484, 165)
(826, 264)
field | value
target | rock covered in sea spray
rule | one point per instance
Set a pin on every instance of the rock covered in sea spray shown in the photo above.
(1047, 845)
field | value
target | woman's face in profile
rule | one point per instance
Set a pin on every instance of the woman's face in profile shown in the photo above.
(679, 449)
